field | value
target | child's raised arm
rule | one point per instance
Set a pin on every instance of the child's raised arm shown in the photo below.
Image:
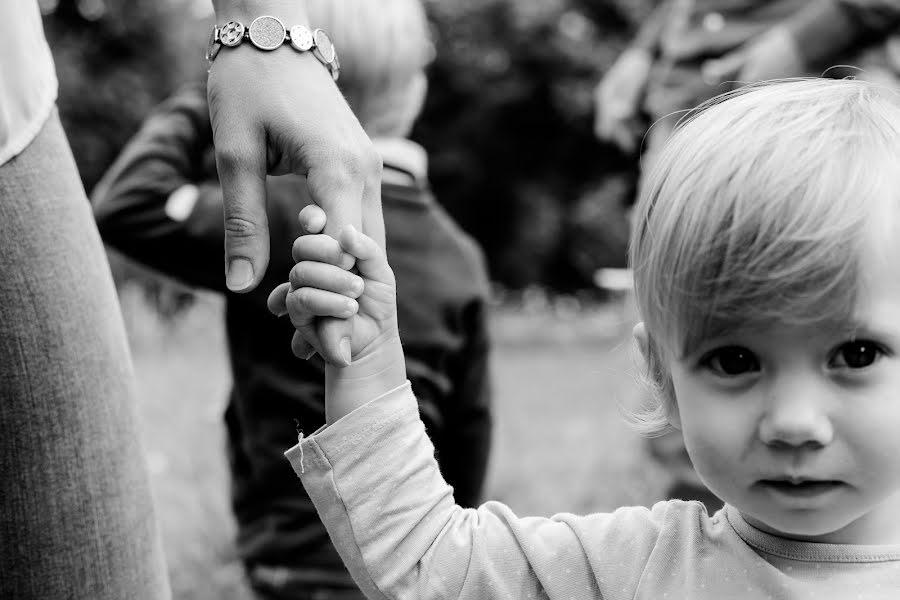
(372, 474)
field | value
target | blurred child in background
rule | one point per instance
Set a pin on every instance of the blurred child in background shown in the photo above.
(161, 204)
(691, 50)
(764, 252)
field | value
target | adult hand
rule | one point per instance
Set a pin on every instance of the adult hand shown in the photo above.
(772, 55)
(280, 112)
(617, 99)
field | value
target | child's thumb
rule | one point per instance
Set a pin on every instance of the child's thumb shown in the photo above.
(371, 261)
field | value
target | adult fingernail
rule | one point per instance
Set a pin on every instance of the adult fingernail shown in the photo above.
(345, 350)
(239, 275)
(310, 355)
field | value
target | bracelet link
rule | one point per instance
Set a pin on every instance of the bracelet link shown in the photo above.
(231, 34)
(267, 33)
(301, 38)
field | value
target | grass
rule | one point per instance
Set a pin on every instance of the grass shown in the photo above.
(560, 373)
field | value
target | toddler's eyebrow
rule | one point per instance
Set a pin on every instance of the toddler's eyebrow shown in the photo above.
(860, 328)
(720, 334)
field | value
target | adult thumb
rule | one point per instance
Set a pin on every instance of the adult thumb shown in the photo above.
(241, 162)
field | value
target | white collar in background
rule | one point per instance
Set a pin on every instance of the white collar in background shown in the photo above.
(405, 155)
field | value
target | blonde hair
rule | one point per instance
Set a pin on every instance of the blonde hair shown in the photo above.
(384, 47)
(757, 212)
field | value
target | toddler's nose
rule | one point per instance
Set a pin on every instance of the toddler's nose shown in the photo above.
(797, 418)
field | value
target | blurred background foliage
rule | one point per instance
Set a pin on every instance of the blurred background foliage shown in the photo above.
(508, 122)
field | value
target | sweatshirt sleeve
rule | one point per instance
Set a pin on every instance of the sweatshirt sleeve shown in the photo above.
(376, 486)
(826, 28)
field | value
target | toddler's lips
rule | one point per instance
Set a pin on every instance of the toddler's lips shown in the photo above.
(799, 487)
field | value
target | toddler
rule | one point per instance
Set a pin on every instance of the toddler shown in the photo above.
(764, 255)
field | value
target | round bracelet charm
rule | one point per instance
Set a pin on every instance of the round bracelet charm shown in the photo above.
(267, 33)
(301, 38)
(232, 34)
(325, 52)
(324, 47)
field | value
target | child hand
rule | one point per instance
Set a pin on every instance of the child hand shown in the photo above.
(322, 285)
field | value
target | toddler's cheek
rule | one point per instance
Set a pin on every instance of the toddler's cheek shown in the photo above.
(713, 457)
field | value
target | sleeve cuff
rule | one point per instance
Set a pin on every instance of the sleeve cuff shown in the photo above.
(375, 414)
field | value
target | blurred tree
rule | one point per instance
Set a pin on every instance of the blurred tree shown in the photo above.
(115, 60)
(508, 125)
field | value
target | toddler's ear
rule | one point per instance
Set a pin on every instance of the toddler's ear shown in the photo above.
(639, 333)
(642, 341)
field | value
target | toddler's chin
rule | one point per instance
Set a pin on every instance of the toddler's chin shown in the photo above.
(809, 525)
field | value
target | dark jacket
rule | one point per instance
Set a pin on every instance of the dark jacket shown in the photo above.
(442, 298)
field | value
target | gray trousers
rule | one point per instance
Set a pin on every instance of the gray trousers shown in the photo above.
(76, 518)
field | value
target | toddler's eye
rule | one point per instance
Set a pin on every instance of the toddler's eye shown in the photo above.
(731, 361)
(857, 354)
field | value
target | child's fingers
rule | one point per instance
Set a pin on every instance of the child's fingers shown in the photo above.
(323, 249)
(276, 300)
(371, 261)
(326, 277)
(301, 348)
(312, 218)
(320, 303)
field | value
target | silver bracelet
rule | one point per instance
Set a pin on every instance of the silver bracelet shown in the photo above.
(268, 33)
